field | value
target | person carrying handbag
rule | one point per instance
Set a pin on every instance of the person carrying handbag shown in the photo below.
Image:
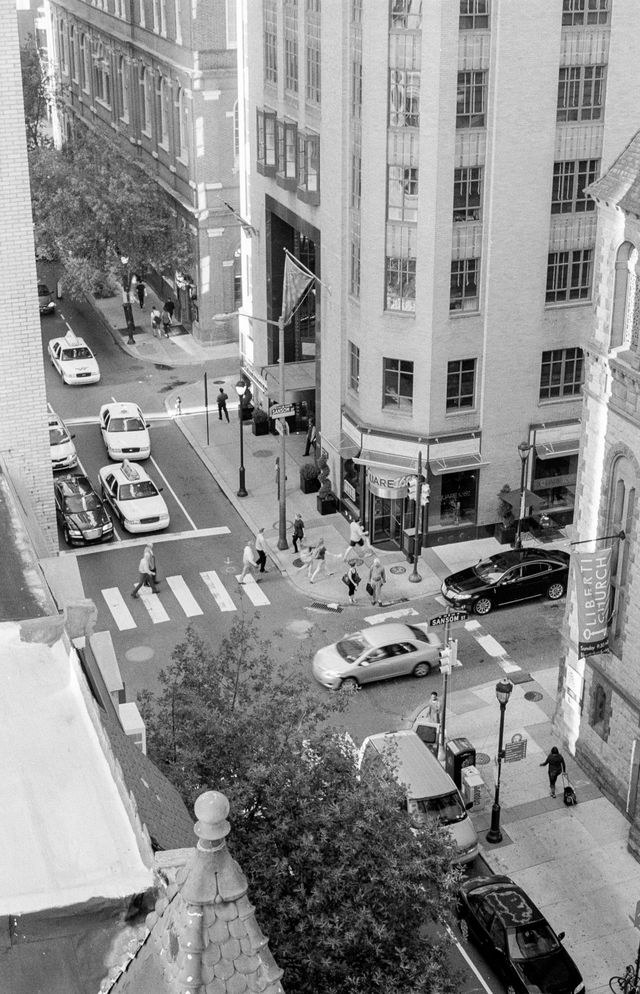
(377, 578)
(298, 532)
(351, 579)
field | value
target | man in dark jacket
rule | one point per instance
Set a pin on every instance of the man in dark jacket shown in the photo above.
(555, 762)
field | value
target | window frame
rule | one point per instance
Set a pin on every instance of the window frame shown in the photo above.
(312, 52)
(402, 17)
(581, 12)
(309, 167)
(471, 85)
(465, 209)
(403, 269)
(566, 283)
(354, 367)
(122, 89)
(265, 141)
(472, 17)
(464, 273)
(570, 177)
(561, 374)
(270, 41)
(576, 86)
(404, 98)
(286, 153)
(397, 371)
(458, 396)
(291, 53)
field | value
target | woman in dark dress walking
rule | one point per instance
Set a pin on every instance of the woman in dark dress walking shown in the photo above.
(555, 762)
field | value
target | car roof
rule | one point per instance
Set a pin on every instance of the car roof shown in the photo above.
(508, 901)
(123, 410)
(74, 483)
(384, 634)
(514, 556)
(412, 762)
(126, 472)
(70, 341)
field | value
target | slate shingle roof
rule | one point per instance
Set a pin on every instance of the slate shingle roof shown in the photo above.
(620, 185)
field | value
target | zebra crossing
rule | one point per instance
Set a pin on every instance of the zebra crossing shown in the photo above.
(178, 593)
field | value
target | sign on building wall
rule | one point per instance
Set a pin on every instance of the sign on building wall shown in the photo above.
(593, 583)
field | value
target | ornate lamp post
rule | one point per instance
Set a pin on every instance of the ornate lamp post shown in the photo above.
(523, 451)
(241, 386)
(503, 693)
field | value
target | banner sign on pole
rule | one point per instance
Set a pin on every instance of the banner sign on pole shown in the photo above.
(592, 572)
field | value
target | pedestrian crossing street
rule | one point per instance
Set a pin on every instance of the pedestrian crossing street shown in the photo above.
(177, 596)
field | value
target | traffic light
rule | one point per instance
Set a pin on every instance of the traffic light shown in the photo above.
(424, 494)
(445, 659)
(413, 487)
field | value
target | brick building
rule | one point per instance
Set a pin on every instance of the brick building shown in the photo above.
(162, 78)
(24, 439)
(599, 700)
(429, 166)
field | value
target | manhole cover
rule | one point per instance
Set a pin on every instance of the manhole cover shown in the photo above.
(398, 569)
(140, 654)
(263, 453)
(533, 695)
(482, 759)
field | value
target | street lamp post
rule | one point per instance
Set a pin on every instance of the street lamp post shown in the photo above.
(523, 451)
(503, 693)
(241, 386)
(126, 299)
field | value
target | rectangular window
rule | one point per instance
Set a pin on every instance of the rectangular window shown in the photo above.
(461, 377)
(270, 32)
(467, 193)
(464, 291)
(354, 367)
(584, 12)
(581, 93)
(561, 373)
(312, 27)
(472, 99)
(266, 142)
(569, 276)
(400, 268)
(291, 45)
(356, 86)
(474, 14)
(356, 179)
(286, 150)
(406, 14)
(309, 167)
(569, 182)
(397, 389)
(354, 267)
(404, 99)
(402, 192)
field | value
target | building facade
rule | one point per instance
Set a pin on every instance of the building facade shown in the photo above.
(430, 168)
(599, 694)
(162, 78)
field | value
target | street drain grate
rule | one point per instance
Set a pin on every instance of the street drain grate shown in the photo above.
(533, 695)
(335, 608)
(398, 569)
(482, 759)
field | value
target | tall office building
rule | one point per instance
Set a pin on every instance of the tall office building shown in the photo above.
(428, 160)
(161, 77)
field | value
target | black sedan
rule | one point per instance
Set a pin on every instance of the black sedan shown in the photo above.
(517, 575)
(516, 938)
(82, 515)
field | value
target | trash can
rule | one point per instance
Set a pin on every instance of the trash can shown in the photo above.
(459, 753)
(472, 785)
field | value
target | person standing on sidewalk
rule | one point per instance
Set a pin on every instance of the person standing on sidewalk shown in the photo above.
(156, 322)
(432, 712)
(222, 399)
(298, 532)
(312, 438)
(141, 289)
(555, 762)
(248, 561)
(166, 321)
(261, 549)
(377, 577)
(352, 579)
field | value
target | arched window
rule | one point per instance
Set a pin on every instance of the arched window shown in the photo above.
(85, 63)
(62, 45)
(623, 295)
(73, 54)
(102, 75)
(145, 100)
(122, 83)
(161, 112)
(621, 517)
(182, 130)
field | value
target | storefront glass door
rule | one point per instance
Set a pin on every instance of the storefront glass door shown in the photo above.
(385, 522)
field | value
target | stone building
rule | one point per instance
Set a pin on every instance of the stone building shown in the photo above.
(429, 166)
(161, 78)
(599, 695)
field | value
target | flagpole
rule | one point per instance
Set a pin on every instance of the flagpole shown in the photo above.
(282, 525)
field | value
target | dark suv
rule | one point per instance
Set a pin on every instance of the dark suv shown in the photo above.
(81, 513)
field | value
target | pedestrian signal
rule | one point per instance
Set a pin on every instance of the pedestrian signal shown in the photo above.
(413, 487)
(445, 659)
(424, 494)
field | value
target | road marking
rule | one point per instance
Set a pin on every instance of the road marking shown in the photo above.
(218, 591)
(175, 496)
(119, 610)
(153, 605)
(157, 539)
(253, 592)
(183, 595)
(377, 619)
(491, 646)
(463, 952)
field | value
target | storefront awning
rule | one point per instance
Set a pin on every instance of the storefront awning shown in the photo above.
(551, 450)
(387, 460)
(343, 444)
(512, 497)
(299, 377)
(456, 464)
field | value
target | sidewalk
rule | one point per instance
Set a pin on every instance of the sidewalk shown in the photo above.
(572, 861)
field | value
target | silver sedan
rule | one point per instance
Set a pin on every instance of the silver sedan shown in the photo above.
(377, 653)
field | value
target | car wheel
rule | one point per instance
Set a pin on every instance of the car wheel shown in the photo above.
(421, 669)
(555, 591)
(65, 535)
(482, 606)
(350, 683)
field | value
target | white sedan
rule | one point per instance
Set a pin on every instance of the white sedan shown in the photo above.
(74, 360)
(134, 498)
(377, 653)
(125, 432)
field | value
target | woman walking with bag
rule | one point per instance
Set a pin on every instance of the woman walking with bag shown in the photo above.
(352, 579)
(377, 578)
(555, 762)
(298, 532)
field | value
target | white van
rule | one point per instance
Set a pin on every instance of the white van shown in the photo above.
(431, 793)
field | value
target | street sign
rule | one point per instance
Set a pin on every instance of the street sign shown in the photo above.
(443, 619)
(281, 410)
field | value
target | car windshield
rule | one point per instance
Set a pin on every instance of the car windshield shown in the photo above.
(351, 647)
(531, 941)
(57, 435)
(134, 491)
(126, 424)
(419, 634)
(82, 502)
(43, 290)
(490, 570)
(71, 354)
(447, 809)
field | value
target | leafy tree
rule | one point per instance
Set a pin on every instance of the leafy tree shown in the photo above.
(93, 206)
(39, 90)
(343, 887)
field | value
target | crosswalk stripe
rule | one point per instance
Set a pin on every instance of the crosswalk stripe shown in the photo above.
(251, 588)
(378, 619)
(119, 610)
(153, 605)
(183, 595)
(218, 591)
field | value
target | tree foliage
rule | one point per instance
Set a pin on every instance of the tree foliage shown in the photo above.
(38, 90)
(92, 206)
(342, 886)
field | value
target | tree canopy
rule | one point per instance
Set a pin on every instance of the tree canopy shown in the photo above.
(38, 90)
(342, 886)
(93, 206)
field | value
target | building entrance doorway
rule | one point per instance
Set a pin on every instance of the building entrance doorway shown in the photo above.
(385, 522)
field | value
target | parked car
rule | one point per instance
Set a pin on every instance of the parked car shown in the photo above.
(506, 577)
(134, 498)
(82, 515)
(516, 938)
(46, 299)
(377, 653)
(125, 432)
(63, 451)
(74, 360)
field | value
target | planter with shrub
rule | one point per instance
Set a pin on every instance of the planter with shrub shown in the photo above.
(309, 482)
(259, 421)
(326, 500)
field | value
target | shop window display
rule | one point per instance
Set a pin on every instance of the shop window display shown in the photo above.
(453, 500)
(554, 481)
